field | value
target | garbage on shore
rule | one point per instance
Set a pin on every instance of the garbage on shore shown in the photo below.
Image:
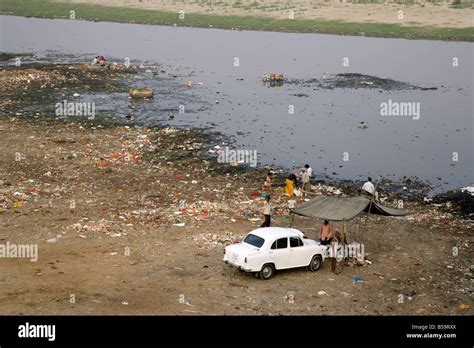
(457, 202)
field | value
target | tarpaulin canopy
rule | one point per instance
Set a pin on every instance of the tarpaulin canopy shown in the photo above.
(343, 208)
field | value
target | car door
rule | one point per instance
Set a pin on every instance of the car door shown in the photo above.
(299, 253)
(280, 253)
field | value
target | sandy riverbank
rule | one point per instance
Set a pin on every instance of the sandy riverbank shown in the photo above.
(441, 14)
(128, 220)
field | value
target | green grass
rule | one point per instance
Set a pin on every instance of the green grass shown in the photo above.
(51, 9)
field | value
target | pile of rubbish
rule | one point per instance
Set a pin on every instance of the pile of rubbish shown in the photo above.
(212, 240)
(91, 226)
(25, 80)
(31, 77)
(343, 80)
(326, 190)
(42, 86)
(354, 80)
(134, 144)
(457, 202)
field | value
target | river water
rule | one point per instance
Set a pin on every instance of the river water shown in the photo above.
(339, 131)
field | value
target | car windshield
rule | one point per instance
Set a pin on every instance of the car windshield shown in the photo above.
(254, 240)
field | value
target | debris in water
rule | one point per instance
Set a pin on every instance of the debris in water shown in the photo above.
(145, 92)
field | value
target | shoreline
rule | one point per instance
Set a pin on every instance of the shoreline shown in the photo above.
(98, 13)
(414, 191)
(409, 188)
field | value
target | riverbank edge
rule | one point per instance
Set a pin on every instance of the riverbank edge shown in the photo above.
(211, 138)
(409, 189)
(55, 10)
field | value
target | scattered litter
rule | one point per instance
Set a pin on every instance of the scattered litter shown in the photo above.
(183, 300)
(411, 295)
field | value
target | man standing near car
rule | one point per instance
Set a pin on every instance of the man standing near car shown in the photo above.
(267, 212)
(325, 233)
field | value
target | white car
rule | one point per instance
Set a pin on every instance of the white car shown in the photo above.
(265, 250)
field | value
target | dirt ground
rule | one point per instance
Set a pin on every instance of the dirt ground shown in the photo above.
(105, 205)
(420, 14)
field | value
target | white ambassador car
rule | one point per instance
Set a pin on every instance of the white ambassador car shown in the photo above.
(265, 250)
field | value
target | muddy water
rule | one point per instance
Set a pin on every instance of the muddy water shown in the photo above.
(336, 128)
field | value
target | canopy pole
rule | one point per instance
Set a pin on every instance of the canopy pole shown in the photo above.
(360, 223)
(344, 230)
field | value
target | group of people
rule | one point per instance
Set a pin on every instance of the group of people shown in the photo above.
(304, 182)
(291, 183)
(98, 60)
(326, 234)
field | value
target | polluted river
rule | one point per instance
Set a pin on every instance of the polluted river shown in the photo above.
(349, 106)
(131, 210)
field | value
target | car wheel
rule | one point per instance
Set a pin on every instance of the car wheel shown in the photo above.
(315, 263)
(267, 271)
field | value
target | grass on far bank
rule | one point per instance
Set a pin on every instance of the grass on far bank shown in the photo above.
(51, 9)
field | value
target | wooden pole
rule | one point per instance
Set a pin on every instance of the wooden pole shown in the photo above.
(344, 230)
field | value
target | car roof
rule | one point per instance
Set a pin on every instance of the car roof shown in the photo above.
(276, 232)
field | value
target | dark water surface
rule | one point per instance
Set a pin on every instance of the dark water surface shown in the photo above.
(334, 115)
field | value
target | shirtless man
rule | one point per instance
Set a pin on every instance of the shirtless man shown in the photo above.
(325, 233)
